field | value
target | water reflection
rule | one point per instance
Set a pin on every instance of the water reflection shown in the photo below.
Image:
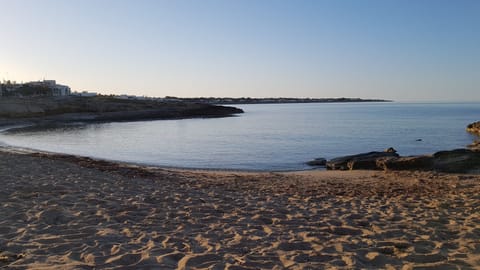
(266, 137)
(55, 128)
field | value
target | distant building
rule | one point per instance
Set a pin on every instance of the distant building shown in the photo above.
(37, 88)
(7, 87)
(56, 89)
(84, 94)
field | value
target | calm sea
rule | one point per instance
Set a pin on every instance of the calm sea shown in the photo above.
(265, 137)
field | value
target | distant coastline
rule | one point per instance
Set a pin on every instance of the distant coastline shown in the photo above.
(101, 108)
(280, 100)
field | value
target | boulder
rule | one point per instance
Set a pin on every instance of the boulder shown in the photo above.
(390, 150)
(317, 162)
(457, 161)
(365, 161)
(475, 146)
(474, 128)
(421, 163)
(453, 161)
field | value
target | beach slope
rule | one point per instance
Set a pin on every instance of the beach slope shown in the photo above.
(65, 212)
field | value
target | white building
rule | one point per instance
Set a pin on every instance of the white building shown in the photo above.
(61, 90)
(57, 89)
(84, 94)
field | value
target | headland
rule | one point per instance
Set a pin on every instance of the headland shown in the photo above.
(14, 110)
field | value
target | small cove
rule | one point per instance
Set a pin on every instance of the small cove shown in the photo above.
(266, 137)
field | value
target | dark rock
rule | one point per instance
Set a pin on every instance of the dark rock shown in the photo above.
(418, 140)
(363, 164)
(365, 161)
(475, 146)
(454, 161)
(317, 162)
(390, 150)
(452, 153)
(423, 163)
(457, 161)
(474, 128)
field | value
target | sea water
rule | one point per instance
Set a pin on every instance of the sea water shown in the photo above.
(265, 137)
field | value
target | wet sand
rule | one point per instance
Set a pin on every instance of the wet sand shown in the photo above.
(63, 212)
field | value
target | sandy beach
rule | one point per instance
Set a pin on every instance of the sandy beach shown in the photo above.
(63, 212)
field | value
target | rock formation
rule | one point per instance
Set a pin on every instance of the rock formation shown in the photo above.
(474, 128)
(458, 160)
(475, 146)
(317, 162)
(421, 163)
(365, 161)
(453, 161)
(104, 109)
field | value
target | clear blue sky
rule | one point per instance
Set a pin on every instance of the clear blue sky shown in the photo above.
(401, 50)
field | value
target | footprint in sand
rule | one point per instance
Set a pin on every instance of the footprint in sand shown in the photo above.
(201, 261)
(54, 216)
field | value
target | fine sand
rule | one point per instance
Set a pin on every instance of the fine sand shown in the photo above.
(61, 212)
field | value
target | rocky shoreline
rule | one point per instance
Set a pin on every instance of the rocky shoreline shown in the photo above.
(474, 128)
(102, 109)
(451, 161)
